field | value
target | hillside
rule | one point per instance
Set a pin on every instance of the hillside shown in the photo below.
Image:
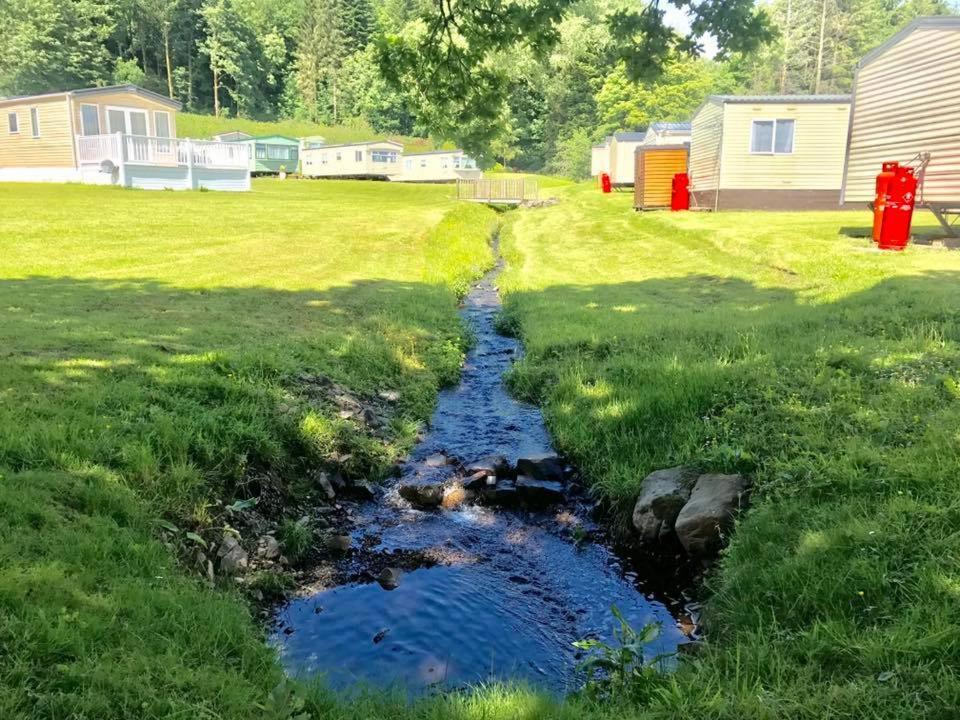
(190, 125)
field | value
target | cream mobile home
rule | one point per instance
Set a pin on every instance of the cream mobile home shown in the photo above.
(623, 148)
(377, 159)
(120, 135)
(768, 152)
(667, 133)
(600, 158)
(906, 103)
(438, 166)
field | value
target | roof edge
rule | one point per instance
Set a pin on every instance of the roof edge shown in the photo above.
(782, 99)
(926, 21)
(434, 152)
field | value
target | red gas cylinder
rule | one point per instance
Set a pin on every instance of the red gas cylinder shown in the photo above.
(880, 200)
(680, 194)
(605, 184)
(898, 212)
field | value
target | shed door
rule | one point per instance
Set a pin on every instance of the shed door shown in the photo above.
(659, 167)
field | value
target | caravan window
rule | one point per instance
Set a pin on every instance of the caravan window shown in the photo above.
(35, 122)
(383, 156)
(13, 123)
(161, 123)
(89, 120)
(772, 137)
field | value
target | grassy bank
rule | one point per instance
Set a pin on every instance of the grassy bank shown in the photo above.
(781, 346)
(151, 345)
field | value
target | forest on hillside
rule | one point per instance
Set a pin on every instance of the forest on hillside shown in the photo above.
(324, 61)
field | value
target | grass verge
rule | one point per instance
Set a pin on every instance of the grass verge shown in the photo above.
(151, 346)
(782, 346)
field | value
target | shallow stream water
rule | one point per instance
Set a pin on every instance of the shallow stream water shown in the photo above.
(514, 590)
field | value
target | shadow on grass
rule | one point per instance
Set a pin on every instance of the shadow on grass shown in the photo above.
(201, 385)
(844, 415)
(842, 412)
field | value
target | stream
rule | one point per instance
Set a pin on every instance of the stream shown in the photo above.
(511, 590)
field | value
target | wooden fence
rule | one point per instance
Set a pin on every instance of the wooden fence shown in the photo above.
(500, 192)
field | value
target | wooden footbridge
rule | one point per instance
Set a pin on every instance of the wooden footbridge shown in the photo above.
(509, 191)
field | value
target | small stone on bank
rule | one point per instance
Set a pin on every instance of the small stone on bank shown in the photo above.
(233, 558)
(389, 578)
(340, 543)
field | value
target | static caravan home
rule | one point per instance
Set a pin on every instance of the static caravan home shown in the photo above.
(775, 152)
(906, 102)
(377, 159)
(623, 147)
(667, 133)
(268, 154)
(600, 158)
(438, 166)
(119, 135)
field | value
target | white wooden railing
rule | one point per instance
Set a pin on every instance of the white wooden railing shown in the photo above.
(147, 150)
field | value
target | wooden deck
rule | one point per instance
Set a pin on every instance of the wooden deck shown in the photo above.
(498, 192)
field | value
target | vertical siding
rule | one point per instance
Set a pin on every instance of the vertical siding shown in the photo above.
(54, 147)
(705, 147)
(907, 101)
(655, 170)
(819, 143)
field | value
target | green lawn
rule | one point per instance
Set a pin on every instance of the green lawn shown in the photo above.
(151, 344)
(778, 345)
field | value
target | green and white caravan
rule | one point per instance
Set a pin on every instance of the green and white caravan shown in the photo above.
(269, 154)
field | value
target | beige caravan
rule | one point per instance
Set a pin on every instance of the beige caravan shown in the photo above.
(906, 102)
(376, 159)
(438, 166)
(772, 152)
(120, 135)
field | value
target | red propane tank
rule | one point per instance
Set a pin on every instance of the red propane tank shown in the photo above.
(898, 211)
(605, 184)
(880, 200)
(680, 195)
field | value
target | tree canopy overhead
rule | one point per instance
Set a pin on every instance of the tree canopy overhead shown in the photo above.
(456, 58)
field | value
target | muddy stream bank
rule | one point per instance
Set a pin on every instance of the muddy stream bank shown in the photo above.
(477, 591)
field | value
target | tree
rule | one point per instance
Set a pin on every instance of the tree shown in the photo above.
(161, 14)
(321, 50)
(451, 56)
(365, 95)
(128, 72)
(53, 44)
(683, 86)
(573, 155)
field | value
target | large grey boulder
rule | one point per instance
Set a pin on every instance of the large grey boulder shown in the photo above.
(708, 516)
(662, 495)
